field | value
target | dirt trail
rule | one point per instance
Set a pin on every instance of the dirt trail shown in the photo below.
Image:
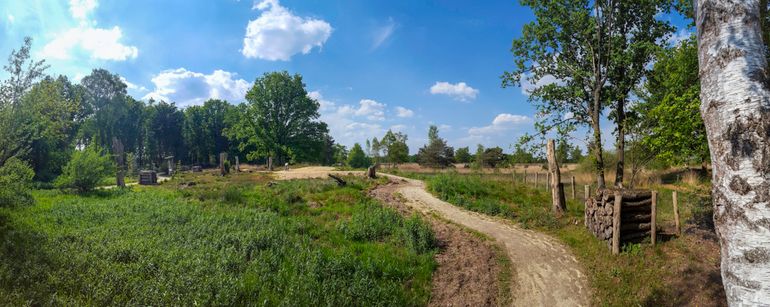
(546, 272)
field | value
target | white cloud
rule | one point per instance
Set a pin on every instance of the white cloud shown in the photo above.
(278, 34)
(502, 123)
(102, 44)
(98, 43)
(81, 8)
(131, 86)
(373, 110)
(527, 86)
(459, 91)
(193, 88)
(678, 37)
(381, 34)
(404, 112)
(10, 19)
(325, 104)
(444, 128)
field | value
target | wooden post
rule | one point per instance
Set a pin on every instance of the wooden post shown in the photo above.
(117, 149)
(559, 204)
(676, 213)
(574, 194)
(525, 176)
(270, 164)
(222, 159)
(237, 165)
(587, 192)
(548, 183)
(537, 179)
(616, 223)
(653, 215)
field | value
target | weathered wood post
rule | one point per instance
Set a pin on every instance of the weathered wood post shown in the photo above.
(586, 192)
(548, 182)
(237, 165)
(525, 176)
(270, 163)
(371, 172)
(537, 180)
(653, 215)
(574, 194)
(222, 159)
(559, 204)
(616, 223)
(676, 213)
(120, 174)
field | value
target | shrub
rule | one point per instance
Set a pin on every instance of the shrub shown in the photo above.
(85, 169)
(373, 224)
(418, 236)
(357, 158)
(15, 183)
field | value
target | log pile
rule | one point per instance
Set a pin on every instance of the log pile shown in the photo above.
(636, 215)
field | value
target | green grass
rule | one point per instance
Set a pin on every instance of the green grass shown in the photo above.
(638, 276)
(233, 241)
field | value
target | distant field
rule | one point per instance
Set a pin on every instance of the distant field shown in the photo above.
(204, 240)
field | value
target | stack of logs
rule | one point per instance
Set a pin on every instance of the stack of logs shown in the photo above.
(635, 222)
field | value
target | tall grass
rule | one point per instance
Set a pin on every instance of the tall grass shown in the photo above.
(220, 242)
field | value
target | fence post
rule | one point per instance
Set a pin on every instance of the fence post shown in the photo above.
(574, 194)
(525, 176)
(676, 213)
(537, 180)
(616, 223)
(653, 230)
(587, 192)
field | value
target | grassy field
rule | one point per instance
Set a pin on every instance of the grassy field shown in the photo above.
(204, 240)
(642, 275)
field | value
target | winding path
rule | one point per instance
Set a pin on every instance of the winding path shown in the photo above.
(546, 272)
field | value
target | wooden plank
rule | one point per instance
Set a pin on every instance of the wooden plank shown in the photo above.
(676, 213)
(630, 227)
(631, 218)
(653, 234)
(639, 203)
(616, 224)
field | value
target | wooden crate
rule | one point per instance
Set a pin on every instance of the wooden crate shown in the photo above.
(148, 178)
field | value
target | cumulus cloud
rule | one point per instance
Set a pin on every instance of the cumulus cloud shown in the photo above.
(404, 112)
(502, 123)
(81, 8)
(459, 91)
(193, 88)
(527, 85)
(98, 43)
(373, 110)
(325, 104)
(129, 85)
(382, 33)
(278, 34)
(678, 37)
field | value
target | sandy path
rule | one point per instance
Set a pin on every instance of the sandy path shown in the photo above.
(546, 272)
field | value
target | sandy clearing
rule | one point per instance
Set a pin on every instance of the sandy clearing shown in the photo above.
(545, 271)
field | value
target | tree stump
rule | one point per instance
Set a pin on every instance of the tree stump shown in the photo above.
(371, 172)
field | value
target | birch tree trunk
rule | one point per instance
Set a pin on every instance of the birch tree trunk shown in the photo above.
(735, 106)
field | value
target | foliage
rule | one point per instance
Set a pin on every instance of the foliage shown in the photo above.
(396, 150)
(15, 183)
(492, 157)
(280, 120)
(357, 158)
(436, 153)
(167, 247)
(85, 169)
(669, 114)
(463, 155)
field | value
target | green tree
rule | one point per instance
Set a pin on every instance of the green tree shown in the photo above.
(463, 155)
(281, 120)
(85, 169)
(163, 132)
(340, 154)
(493, 157)
(478, 160)
(436, 153)
(574, 45)
(18, 129)
(15, 183)
(669, 112)
(396, 150)
(357, 158)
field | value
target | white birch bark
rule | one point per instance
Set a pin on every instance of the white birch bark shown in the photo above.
(735, 105)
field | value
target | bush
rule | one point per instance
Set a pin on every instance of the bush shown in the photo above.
(15, 183)
(85, 169)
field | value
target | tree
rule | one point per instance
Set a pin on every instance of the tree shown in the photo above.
(573, 49)
(357, 158)
(668, 113)
(340, 154)
(163, 132)
(85, 169)
(634, 44)
(463, 155)
(479, 156)
(396, 150)
(376, 150)
(493, 156)
(436, 153)
(15, 183)
(734, 106)
(18, 130)
(280, 120)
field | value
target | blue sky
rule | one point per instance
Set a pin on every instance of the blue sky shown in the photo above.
(374, 65)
